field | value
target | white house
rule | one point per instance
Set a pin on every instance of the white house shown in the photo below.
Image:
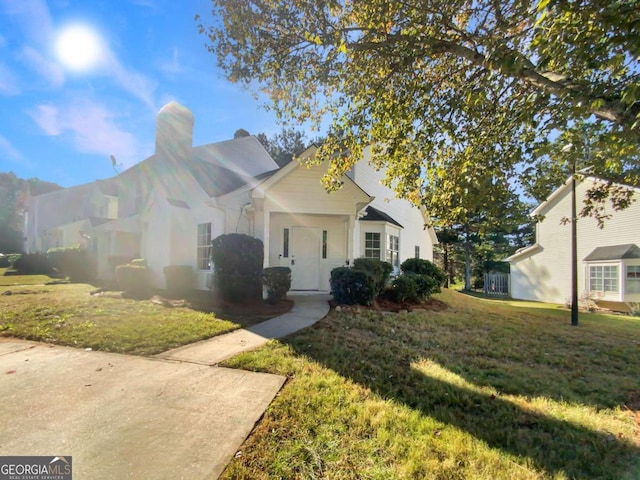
(609, 258)
(168, 207)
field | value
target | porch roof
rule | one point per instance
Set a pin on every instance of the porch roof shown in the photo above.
(375, 215)
(613, 252)
(129, 224)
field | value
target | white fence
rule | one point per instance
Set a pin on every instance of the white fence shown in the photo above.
(497, 284)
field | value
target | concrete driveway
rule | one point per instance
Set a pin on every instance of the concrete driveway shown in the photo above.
(122, 416)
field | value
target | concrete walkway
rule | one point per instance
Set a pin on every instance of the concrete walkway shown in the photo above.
(128, 417)
(306, 311)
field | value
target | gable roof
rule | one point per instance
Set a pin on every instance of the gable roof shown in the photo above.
(375, 215)
(544, 206)
(613, 252)
(244, 156)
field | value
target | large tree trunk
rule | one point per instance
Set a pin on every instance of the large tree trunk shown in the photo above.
(447, 268)
(467, 258)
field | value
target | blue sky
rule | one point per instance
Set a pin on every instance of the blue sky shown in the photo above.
(62, 124)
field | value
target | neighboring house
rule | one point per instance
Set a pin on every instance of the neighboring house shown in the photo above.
(609, 258)
(169, 207)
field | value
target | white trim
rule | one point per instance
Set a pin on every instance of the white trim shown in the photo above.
(567, 184)
(524, 252)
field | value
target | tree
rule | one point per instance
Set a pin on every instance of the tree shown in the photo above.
(13, 193)
(287, 144)
(413, 77)
(585, 148)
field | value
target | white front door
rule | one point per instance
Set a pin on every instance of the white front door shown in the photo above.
(305, 258)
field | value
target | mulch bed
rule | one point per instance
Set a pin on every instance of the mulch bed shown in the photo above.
(385, 304)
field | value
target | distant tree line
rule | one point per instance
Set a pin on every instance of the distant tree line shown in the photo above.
(13, 195)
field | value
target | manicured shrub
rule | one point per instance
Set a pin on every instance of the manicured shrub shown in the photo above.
(33, 264)
(180, 279)
(13, 257)
(424, 267)
(378, 269)
(413, 288)
(425, 286)
(134, 280)
(117, 260)
(74, 262)
(277, 281)
(237, 261)
(404, 288)
(352, 287)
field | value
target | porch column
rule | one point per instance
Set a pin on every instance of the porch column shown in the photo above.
(351, 241)
(266, 236)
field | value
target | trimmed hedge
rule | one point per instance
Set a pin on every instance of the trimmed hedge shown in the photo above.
(378, 269)
(33, 264)
(278, 282)
(424, 267)
(4, 261)
(237, 261)
(180, 279)
(134, 280)
(413, 288)
(352, 287)
(77, 263)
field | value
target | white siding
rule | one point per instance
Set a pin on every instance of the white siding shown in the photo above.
(413, 232)
(301, 191)
(546, 275)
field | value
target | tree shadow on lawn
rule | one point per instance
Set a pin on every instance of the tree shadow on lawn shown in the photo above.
(533, 351)
(384, 365)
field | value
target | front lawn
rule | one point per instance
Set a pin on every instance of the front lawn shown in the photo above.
(9, 278)
(69, 315)
(482, 390)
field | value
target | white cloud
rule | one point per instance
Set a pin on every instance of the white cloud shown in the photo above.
(34, 19)
(90, 128)
(7, 150)
(135, 83)
(8, 82)
(172, 67)
(49, 70)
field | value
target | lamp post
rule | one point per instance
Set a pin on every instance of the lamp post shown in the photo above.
(574, 241)
(574, 249)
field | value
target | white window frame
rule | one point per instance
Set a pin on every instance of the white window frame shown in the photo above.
(393, 250)
(604, 278)
(203, 248)
(368, 250)
(632, 277)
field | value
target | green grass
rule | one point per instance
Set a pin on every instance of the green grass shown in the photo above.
(68, 315)
(13, 280)
(483, 390)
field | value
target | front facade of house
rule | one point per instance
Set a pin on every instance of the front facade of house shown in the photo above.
(169, 207)
(609, 257)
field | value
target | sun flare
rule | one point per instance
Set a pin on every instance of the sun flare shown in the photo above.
(78, 47)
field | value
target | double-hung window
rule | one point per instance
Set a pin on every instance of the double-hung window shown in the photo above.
(393, 244)
(603, 278)
(204, 245)
(372, 245)
(633, 279)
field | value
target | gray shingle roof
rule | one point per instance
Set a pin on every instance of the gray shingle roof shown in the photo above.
(613, 252)
(373, 215)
